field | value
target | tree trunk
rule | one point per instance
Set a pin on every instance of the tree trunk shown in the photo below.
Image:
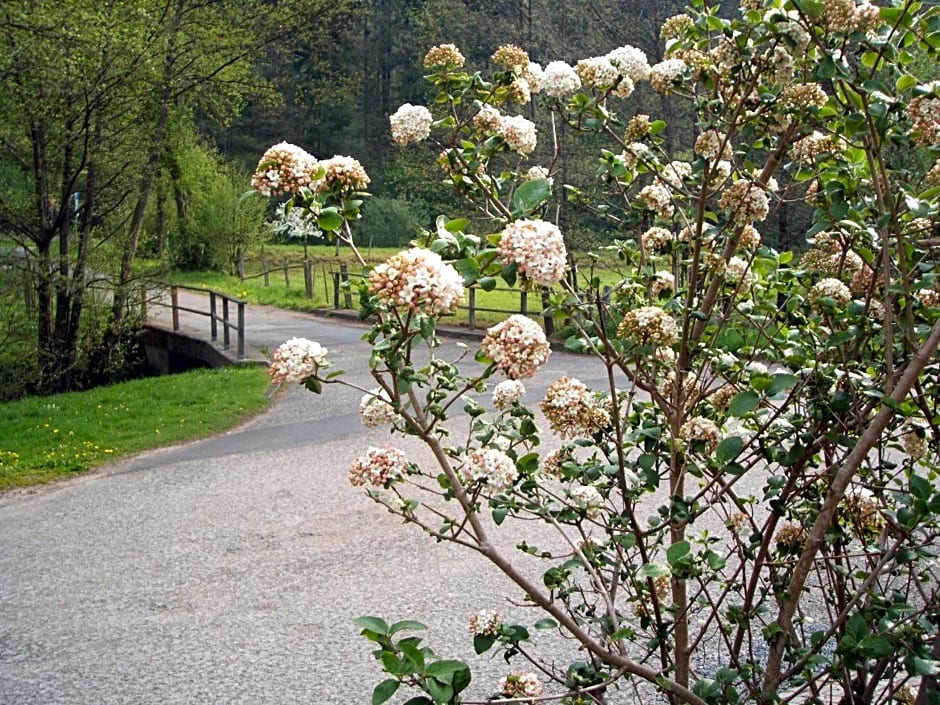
(151, 172)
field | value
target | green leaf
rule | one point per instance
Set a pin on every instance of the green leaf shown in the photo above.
(468, 268)
(420, 700)
(729, 449)
(729, 339)
(877, 646)
(905, 83)
(678, 553)
(922, 666)
(654, 570)
(483, 642)
(415, 655)
(384, 690)
(546, 623)
(487, 283)
(373, 624)
(456, 225)
(329, 220)
(445, 668)
(406, 624)
(781, 382)
(743, 403)
(827, 68)
(920, 487)
(530, 195)
(499, 515)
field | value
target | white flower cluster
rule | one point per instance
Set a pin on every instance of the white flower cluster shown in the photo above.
(657, 198)
(410, 123)
(554, 459)
(598, 72)
(520, 684)
(534, 173)
(631, 62)
(283, 169)
(924, 112)
(342, 174)
(737, 271)
(749, 240)
(745, 201)
(830, 288)
(537, 247)
(533, 76)
(712, 145)
(296, 360)
(485, 623)
(790, 28)
(379, 467)
(587, 498)
(663, 281)
(864, 511)
(802, 96)
(419, 280)
(375, 408)
(517, 346)
(912, 439)
(490, 466)
(487, 118)
(559, 79)
(656, 238)
(444, 55)
(518, 132)
(507, 393)
(701, 430)
(572, 410)
(675, 173)
(665, 74)
(649, 325)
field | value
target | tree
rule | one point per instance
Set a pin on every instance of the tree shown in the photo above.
(747, 508)
(89, 97)
(69, 102)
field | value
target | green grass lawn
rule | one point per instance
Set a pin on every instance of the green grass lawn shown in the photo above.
(46, 438)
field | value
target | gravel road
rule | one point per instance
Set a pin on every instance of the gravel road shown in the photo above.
(229, 570)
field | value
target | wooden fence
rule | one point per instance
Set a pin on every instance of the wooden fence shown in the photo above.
(336, 278)
(219, 313)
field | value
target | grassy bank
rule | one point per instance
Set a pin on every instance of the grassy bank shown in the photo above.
(46, 438)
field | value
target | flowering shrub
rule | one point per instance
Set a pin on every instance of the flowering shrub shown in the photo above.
(747, 509)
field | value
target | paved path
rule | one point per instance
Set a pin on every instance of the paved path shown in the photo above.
(229, 570)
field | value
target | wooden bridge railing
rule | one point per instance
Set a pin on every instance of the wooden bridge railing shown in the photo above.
(217, 301)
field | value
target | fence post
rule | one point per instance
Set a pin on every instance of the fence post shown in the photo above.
(264, 268)
(175, 307)
(523, 301)
(336, 290)
(226, 337)
(472, 308)
(213, 317)
(240, 265)
(308, 278)
(241, 330)
(344, 274)
(548, 321)
(286, 273)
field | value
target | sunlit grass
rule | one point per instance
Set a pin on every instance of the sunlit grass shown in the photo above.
(44, 438)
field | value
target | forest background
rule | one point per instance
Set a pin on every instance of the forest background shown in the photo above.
(128, 132)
